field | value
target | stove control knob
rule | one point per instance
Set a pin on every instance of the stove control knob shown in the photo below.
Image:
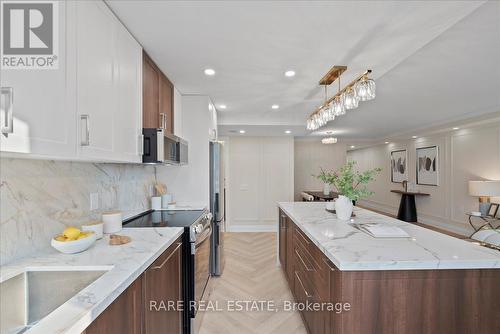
(209, 216)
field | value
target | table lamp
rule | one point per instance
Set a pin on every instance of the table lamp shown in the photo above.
(484, 190)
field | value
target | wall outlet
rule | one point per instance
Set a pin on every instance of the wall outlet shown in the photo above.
(94, 201)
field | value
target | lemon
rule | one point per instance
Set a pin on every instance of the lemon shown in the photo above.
(71, 232)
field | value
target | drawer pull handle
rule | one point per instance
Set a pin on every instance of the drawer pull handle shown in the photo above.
(303, 262)
(308, 295)
(8, 108)
(327, 262)
(179, 244)
(303, 237)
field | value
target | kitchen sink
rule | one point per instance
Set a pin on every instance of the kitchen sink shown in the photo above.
(27, 298)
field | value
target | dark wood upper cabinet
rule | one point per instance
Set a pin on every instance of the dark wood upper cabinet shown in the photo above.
(150, 94)
(157, 101)
(166, 104)
(162, 292)
(123, 316)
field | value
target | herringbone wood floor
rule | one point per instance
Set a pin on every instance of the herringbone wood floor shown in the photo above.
(251, 273)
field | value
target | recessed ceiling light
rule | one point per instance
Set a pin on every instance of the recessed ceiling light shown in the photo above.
(387, 142)
(209, 71)
(455, 128)
(288, 131)
(290, 73)
(222, 106)
(242, 131)
(352, 146)
(414, 137)
(275, 106)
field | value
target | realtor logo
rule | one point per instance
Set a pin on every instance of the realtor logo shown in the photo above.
(29, 35)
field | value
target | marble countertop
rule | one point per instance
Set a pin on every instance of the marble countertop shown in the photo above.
(123, 264)
(351, 249)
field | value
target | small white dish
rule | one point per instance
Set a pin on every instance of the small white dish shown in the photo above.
(74, 246)
(171, 206)
(476, 213)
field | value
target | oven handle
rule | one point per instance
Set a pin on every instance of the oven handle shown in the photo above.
(204, 236)
(179, 244)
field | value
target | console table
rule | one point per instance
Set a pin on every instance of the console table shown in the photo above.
(407, 207)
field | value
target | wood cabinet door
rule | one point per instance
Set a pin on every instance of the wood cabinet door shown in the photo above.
(163, 292)
(290, 264)
(166, 104)
(124, 315)
(282, 240)
(150, 94)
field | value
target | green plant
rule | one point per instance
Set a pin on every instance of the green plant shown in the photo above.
(349, 182)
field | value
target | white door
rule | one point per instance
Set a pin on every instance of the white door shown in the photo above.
(95, 86)
(43, 110)
(128, 80)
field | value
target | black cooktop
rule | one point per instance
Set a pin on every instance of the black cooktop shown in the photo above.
(164, 219)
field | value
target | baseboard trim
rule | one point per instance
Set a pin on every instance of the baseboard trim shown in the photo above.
(252, 228)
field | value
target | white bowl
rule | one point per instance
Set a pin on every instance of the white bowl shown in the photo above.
(75, 246)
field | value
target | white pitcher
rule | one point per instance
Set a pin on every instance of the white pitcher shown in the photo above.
(343, 206)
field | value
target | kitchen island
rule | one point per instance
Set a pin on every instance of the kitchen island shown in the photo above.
(427, 283)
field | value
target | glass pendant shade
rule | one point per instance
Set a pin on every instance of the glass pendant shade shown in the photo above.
(351, 99)
(365, 89)
(338, 106)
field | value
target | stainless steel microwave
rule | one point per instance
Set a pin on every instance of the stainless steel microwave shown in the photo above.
(163, 148)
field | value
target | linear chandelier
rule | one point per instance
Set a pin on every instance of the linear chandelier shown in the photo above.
(329, 140)
(360, 89)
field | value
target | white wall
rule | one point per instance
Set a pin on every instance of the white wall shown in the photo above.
(310, 156)
(466, 154)
(259, 174)
(190, 183)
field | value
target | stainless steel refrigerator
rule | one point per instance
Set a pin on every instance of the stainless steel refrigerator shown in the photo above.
(217, 206)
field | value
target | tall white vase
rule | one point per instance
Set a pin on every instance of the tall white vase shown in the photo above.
(327, 188)
(343, 206)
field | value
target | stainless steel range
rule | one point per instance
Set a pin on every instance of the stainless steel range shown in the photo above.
(196, 254)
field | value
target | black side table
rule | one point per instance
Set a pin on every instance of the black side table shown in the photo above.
(407, 207)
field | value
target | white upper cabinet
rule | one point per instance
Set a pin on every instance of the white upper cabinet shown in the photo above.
(109, 90)
(43, 117)
(90, 108)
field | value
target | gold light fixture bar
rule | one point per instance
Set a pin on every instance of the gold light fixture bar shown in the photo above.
(351, 84)
(332, 75)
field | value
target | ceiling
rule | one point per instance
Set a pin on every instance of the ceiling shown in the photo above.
(433, 62)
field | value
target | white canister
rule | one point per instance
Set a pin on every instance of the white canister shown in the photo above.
(165, 200)
(156, 203)
(112, 221)
(96, 227)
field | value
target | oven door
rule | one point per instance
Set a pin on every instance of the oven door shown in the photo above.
(202, 265)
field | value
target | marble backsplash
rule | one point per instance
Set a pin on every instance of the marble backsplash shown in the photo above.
(39, 198)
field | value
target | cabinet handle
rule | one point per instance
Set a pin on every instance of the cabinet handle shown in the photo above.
(85, 142)
(8, 109)
(303, 262)
(141, 145)
(308, 295)
(179, 244)
(163, 118)
(327, 262)
(301, 235)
